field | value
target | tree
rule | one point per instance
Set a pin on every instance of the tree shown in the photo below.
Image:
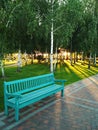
(2, 37)
(37, 25)
(89, 29)
(74, 15)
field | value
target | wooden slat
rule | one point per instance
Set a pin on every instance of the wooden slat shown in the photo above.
(29, 84)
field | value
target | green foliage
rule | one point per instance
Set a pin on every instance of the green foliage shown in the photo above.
(27, 24)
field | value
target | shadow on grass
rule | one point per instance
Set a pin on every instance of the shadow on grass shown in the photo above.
(74, 72)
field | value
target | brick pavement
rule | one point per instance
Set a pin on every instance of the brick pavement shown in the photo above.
(77, 110)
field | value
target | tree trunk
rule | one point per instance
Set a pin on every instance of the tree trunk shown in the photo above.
(89, 61)
(51, 54)
(56, 58)
(95, 59)
(2, 68)
(25, 54)
(75, 57)
(19, 62)
(71, 59)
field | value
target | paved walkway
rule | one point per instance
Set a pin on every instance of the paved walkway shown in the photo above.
(77, 110)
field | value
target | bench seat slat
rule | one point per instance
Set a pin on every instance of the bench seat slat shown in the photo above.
(35, 94)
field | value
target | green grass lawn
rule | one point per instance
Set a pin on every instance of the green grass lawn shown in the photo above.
(63, 71)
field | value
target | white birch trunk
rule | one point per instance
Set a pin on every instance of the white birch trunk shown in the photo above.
(55, 59)
(2, 69)
(19, 62)
(25, 54)
(89, 61)
(51, 54)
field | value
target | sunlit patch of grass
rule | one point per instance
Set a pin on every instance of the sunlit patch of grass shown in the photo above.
(75, 72)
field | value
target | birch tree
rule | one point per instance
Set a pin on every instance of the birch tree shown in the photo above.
(51, 53)
(2, 38)
(19, 61)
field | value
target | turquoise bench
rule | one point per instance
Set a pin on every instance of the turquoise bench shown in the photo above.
(21, 93)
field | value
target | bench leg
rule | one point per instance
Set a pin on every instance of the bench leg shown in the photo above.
(62, 92)
(16, 114)
(6, 109)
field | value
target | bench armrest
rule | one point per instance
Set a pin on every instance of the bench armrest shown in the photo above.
(60, 80)
(13, 95)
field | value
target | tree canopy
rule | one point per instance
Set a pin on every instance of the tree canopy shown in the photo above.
(26, 25)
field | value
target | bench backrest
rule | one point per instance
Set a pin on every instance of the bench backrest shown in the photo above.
(28, 84)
